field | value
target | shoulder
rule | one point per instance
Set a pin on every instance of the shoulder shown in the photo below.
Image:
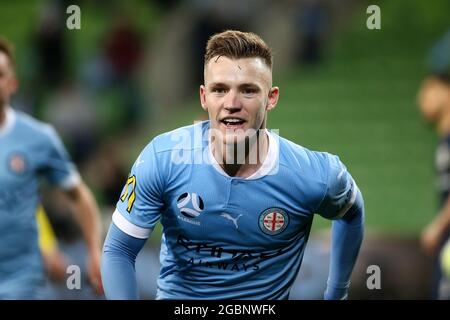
(309, 170)
(34, 128)
(185, 138)
(301, 159)
(176, 146)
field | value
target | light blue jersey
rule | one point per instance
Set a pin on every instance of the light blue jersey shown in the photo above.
(229, 237)
(29, 150)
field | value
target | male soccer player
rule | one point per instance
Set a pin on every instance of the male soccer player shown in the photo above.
(434, 102)
(236, 201)
(30, 150)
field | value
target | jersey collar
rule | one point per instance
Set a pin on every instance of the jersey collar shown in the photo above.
(267, 168)
(6, 127)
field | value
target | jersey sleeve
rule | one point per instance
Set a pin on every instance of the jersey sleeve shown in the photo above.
(341, 190)
(141, 201)
(59, 168)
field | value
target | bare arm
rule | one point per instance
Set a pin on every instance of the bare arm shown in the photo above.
(434, 232)
(86, 213)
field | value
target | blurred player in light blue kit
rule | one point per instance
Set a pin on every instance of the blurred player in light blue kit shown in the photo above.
(236, 201)
(29, 150)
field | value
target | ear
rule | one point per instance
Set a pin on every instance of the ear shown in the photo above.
(272, 100)
(203, 97)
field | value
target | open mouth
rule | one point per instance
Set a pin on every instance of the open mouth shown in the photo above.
(233, 123)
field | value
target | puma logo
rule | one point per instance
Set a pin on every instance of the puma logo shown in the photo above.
(229, 217)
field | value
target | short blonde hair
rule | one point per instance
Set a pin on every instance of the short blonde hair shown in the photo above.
(237, 44)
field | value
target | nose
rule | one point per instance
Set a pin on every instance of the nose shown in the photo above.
(232, 102)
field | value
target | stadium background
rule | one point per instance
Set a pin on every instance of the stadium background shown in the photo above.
(133, 70)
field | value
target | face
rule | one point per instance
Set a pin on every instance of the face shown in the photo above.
(237, 95)
(8, 82)
(434, 99)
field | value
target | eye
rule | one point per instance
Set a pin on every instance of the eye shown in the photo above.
(219, 90)
(249, 91)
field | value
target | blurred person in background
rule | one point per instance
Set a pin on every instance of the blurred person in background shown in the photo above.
(67, 107)
(434, 103)
(49, 55)
(236, 224)
(54, 260)
(311, 20)
(115, 68)
(31, 150)
(50, 42)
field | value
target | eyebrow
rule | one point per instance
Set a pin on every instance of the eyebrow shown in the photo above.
(217, 84)
(242, 85)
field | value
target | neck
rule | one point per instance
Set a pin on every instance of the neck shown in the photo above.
(443, 125)
(243, 159)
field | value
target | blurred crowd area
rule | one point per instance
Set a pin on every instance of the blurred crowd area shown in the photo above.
(122, 75)
(134, 67)
(98, 87)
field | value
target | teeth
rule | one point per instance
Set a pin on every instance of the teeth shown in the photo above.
(233, 120)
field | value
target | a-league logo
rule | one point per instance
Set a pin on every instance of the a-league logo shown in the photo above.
(190, 204)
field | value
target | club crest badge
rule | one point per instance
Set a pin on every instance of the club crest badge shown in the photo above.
(273, 221)
(17, 163)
